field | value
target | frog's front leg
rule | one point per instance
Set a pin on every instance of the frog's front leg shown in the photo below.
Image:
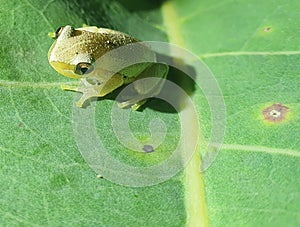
(143, 88)
(95, 86)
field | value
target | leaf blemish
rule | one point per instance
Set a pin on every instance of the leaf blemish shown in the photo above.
(275, 113)
(148, 148)
(267, 29)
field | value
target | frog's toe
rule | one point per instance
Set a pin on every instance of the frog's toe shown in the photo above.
(134, 104)
(122, 105)
(79, 104)
(69, 87)
(82, 100)
(51, 35)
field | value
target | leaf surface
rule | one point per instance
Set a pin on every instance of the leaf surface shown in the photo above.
(252, 48)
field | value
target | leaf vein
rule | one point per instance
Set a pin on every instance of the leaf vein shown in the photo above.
(262, 149)
(33, 132)
(41, 85)
(249, 53)
(196, 207)
(56, 108)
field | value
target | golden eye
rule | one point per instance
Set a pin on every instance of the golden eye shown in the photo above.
(83, 68)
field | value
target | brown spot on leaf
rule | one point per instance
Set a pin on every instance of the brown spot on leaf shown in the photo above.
(267, 29)
(275, 113)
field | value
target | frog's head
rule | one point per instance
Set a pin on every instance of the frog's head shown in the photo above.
(69, 55)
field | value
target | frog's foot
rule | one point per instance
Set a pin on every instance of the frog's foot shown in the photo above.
(88, 91)
(92, 87)
(135, 103)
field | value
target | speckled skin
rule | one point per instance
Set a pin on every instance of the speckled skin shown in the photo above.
(89, 44)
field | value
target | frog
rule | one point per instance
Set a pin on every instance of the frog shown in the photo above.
(76, 50)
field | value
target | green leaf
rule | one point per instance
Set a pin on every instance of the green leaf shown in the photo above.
(252, 48)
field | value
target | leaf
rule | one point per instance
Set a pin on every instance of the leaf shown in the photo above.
(252, 49)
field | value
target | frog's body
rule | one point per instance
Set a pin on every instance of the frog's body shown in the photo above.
(76, 50)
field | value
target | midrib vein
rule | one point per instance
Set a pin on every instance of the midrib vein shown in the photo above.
(193, 180)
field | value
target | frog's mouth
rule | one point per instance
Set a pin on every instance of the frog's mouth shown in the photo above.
(65, 69)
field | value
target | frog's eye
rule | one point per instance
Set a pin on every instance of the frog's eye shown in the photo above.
(58, 31)
(83, 68)
(69, 31)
